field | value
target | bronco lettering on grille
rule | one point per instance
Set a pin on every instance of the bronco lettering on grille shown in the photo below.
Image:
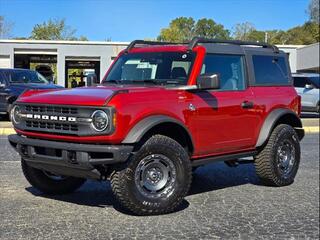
(50, 117)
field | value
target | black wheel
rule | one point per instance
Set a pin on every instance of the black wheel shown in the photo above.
(156, 179)
(50, 183)
(278, 162)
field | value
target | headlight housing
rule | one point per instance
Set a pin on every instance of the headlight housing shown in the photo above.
(15, 114)
(100, 120)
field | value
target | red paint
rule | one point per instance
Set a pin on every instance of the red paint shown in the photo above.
(218, 126)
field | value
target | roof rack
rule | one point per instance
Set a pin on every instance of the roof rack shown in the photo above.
(135, 42)
(196, 40)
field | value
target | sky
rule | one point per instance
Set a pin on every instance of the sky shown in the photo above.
(125, 20)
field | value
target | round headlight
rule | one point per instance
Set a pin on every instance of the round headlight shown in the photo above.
(100, 120)
(15, 115)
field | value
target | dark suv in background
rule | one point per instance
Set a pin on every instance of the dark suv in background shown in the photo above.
(13, 82)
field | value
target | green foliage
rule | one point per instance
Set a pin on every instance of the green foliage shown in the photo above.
(54, 30)
(184, 28)
(242, 31)
(180, 29)
(210, 29)
(307, 33)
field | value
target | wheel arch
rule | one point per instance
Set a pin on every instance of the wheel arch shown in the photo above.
(160, 124)
(276, 117)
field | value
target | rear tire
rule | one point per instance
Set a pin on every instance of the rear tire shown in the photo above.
(49, 183)
(278, 162)
(156, 178)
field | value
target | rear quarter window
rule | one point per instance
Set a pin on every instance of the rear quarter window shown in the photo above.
(270, 70)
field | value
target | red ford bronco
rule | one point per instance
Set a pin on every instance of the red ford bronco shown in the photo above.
(161, 110)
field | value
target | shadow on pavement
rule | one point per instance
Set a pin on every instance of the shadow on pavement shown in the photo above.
(206, 179)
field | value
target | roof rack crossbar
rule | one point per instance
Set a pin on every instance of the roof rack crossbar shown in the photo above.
(196, 40)
(135, 42)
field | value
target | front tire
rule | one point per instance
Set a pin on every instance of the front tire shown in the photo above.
(156, 179)
(49, 183)
(278, 162)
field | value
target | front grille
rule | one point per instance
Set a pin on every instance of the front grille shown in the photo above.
(60, 119)
(50, 109)
(52, 125)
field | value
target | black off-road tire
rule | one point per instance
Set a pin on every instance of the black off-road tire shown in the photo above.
(266, 161)
(126, 190)
(38, 179)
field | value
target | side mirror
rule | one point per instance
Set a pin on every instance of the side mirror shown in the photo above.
(209, 81)
(92, 79)
(309, 86)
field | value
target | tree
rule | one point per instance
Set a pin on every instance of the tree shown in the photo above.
(5, 28)
(54, 30)
(313, 10)
(307, 33)
(180, 30)
(185, 28)
(210, 29)
(242, 31)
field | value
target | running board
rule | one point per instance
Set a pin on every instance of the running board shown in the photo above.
(203, 161)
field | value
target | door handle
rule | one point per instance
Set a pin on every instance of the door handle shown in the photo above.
(247, 104)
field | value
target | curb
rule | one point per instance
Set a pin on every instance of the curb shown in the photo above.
(8, 131)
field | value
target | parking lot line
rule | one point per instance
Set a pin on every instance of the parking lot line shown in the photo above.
(6, 131)
(314, 129)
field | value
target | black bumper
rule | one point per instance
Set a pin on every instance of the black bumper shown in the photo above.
(74, 159)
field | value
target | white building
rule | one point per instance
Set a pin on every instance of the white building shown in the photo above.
(303, 58)
(67, 58)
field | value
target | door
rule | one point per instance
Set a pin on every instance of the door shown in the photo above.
(307, 94)
(226, 119)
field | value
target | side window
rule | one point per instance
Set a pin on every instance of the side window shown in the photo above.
(299, 82)
(229, 67)
(270, 70)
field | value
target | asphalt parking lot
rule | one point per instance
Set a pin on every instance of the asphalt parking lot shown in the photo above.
(223, 202)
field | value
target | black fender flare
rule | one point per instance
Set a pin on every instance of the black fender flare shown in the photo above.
(272, 119)
(146, 124)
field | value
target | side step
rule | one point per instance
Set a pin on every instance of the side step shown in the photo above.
(203, 161)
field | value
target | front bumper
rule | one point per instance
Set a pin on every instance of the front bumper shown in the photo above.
(70, 159)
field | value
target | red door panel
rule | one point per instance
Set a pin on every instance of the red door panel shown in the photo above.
(223, 125)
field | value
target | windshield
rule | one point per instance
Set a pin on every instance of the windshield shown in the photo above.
(20, 76)
(315, 81)
(156, 68)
